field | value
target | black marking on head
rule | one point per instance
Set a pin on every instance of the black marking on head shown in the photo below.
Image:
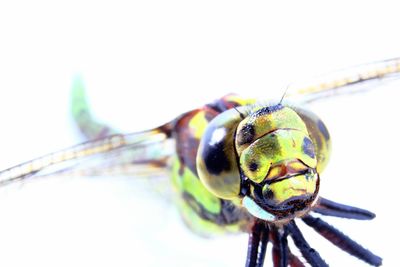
(274, 147)
(268, 194)
(308, 147)
(246, 134)
(323, 130)
(215, 159)
(244, 184)
(268, 110)
(253, 166)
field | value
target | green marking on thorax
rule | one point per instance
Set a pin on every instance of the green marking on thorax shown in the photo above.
(198, 124)
(205, 227)
(188, 182)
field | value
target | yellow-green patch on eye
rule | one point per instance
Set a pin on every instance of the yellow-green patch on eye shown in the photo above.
(198, 123)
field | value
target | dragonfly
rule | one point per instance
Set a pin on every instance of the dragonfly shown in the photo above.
(237, 165)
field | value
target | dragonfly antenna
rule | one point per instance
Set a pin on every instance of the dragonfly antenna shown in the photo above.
(240, 113)
(284, 94)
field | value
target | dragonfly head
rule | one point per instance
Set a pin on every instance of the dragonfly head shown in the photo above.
(272, 165)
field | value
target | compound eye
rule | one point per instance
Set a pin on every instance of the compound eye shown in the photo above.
(217, 166)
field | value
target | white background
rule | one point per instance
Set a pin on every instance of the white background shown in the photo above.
(145, 62)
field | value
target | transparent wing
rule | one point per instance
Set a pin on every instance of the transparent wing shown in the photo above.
(143, 153)
(148, 152)
(347, 81)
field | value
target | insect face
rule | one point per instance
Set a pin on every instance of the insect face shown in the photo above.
(270, 153)
(278, 162)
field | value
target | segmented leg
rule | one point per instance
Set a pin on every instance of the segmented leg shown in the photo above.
(312, 256)
(331, 208)
(281, 254)
(342, 241)
(280, 250)
(257, 245)
(294, 261)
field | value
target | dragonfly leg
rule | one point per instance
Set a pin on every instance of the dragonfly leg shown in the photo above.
(331, 208)
(257, 245)
(312, 256)
(294, 261)
(342, 241)
(281, 254)
(280, 250)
